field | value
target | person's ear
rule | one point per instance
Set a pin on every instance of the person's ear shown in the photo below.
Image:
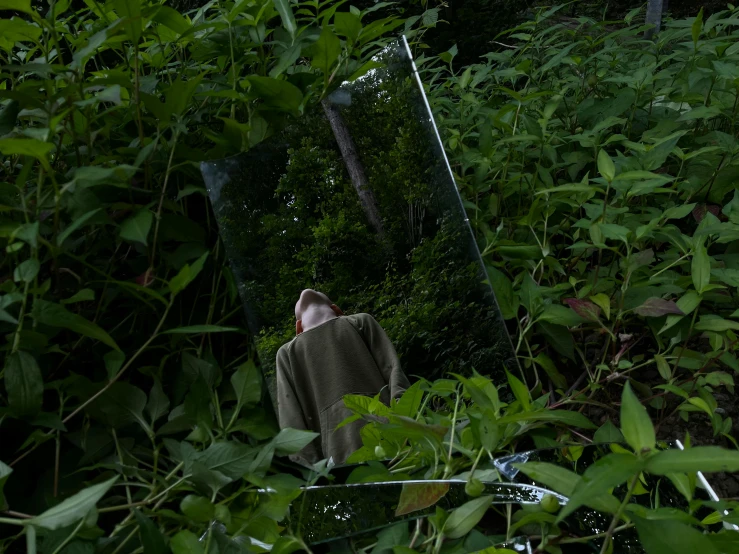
(336, 309)
(298, 327)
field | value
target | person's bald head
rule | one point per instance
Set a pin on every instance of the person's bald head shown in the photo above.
(312, 309)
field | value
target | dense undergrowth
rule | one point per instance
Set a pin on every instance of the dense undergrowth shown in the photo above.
(598, 170)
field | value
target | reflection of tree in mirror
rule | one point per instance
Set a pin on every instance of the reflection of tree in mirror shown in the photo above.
(291, 218)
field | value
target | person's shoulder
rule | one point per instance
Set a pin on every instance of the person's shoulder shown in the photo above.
(361, 320)
(284, 350)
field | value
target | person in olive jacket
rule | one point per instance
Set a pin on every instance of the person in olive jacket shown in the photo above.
(332, 355)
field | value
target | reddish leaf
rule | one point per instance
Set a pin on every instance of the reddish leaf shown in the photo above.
(656, 307)
(417, 496)
(146, 278)
(584, 308)
(701, 210)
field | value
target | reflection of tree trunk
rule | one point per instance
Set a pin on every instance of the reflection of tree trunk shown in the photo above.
(654, 16)
(353, 165)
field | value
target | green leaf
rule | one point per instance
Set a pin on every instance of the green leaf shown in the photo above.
(151, 537)
(707, 459)
(17, 6)
(26, 271)
(697, 27)
(23, 383)
(584, 308)
(73, 508)
(672, 537)
(565, 417)
(158, 403)
(113, 362)
(76, 224)
(564, 482)
(172, 19)
(131, 11)
(417, 496)
(462, 520)
(136, 228)
(82, 295)
(5, 471)
(520, 391)
(276, 93)
(348, 25)
(605, 474)
(292, 441)
(715, 323)
(504, 295)
(247, 384)
(199, 329)
(27, 147)
(605, 166)
(197, 508)
(560, 315)
(635, 423)
(186, 542)
(230, 458)
(607, 433)
(55, 315)
(187, 274)
(701, 269)
(286, 14)
(325, 51)
(663, 367)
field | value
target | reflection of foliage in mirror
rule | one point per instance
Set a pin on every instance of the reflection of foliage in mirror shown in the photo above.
(413, 272)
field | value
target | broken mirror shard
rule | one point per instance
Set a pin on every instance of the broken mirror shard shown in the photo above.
(356, 199)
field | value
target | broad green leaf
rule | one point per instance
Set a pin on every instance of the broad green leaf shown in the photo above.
(277, 94)
(27, 147)
(348, 25)
(197, 508)
(504, 295)
(199, 329)
(564, 482)
(73, 508)
(136, 228)
(187, 274)
(286, 14)
(247, 384)
(158, 403)
(178, 95)
(707, 459)
(23, 383)
(672, 537)
(409, 403)
(113, 362)
(325, 51)
(292, 441)
(463, 519)
(230, 458)
(17, 6)
(636, 426)
(520, 391)
(55, 315)
(130, 10)
(287, 545)
(701, 269)
(561, 315)
(603, 301)
(172, 19)
(151, 537)
(608, 432)
(417, 496)
(26, 271)
(605, 166)
(565, 417)
(82, 295)
(605, 474)
(121, 405)
(716, 324)
(76, 224)
(663, 367)
(186, 542)
(5, 471)
(697, 27)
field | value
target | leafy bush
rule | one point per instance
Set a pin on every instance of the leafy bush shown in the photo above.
(600, 176)
(126, 373)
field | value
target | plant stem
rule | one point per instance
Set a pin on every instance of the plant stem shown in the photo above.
(617, 515)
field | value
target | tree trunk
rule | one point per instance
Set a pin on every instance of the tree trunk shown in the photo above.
(654, 16)
(353, 165)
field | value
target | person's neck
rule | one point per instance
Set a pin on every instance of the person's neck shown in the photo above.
(317, 315)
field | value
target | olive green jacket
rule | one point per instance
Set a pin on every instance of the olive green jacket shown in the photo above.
(347, 355)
